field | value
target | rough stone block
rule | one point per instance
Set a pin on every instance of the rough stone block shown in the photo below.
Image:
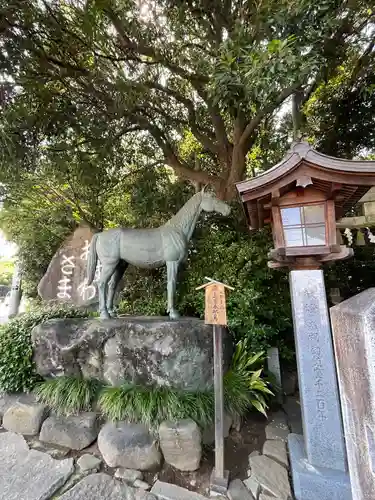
(238, 491)
(180, 443)
(311, 482)
(128, 475)
(277, 428)
(29, 474)
(75, 431)
(277, 451)
(8, 400)
(353, 325)
(272, 476)
(88, 462)
(128, 445)
(167, 491)
(24, 418)
(320, 403)
(138, 483)
(144, 350)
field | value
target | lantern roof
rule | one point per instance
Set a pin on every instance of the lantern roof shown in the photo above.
(344, 181)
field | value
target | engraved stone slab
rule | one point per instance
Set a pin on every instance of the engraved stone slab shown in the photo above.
(320, 402)
(353, 325)
(64, 280)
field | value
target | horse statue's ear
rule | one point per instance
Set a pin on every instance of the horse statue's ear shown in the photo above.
(204, 188)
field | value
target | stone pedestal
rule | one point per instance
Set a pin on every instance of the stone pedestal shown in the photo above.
(353, 325)
(143, 350)
(318, 459)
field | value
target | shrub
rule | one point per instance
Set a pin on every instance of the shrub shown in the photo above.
(17, 369)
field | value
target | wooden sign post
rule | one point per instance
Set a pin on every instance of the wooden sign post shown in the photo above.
(216, 315)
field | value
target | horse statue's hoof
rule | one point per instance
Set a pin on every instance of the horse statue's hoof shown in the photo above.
(173, 314)
(113, 314)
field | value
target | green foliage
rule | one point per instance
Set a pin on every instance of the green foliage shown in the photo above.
(17, 369)
(244, 389)
(6, 272)
(69, 394)
(247, 372)
(152, 405)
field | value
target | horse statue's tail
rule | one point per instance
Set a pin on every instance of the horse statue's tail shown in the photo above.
(92, 260)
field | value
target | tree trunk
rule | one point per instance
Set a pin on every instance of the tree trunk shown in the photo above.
(237, 172)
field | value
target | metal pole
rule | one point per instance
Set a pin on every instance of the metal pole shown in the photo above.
(15, 293)
(219, 402)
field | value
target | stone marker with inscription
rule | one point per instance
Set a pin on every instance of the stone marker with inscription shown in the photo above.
(64, 280)
(353, 326)
(318, 459)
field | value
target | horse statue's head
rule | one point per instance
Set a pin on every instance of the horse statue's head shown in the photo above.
(210, 203)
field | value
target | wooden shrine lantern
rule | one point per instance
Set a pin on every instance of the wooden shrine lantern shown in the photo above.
(301, 197)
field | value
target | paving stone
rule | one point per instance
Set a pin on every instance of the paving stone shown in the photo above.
(238, 491)
(128, 475)
(29, 474)
(254, 453)
(277, 451)
(277, 430)
(75, 431)
(167, 491)
(180, 443)
(24, 418)
(99, 487)
(88, 462)
(253, 486)
(54, 451)
(272, 476)
(128, 445)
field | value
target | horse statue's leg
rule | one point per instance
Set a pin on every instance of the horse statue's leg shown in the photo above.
(172, 268)
(108, 269)
(113, 284)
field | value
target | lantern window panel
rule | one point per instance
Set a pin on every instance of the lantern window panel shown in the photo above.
(304, 225)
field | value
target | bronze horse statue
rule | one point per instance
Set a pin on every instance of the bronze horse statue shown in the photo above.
(147, 248)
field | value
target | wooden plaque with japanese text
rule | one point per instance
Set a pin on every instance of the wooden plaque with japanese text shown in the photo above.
(216, 309)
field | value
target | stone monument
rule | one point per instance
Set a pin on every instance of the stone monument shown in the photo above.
(353, 326)
(318, 458)
(65, 278)
(302, 197)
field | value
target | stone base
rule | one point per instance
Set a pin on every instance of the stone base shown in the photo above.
(311, 482)
(143, 350)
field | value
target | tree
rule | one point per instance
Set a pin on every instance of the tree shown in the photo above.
(341, 114)
(95, 71)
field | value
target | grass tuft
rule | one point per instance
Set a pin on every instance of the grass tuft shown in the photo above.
(69, 394)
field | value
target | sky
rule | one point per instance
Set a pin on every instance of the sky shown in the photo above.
(7, 249)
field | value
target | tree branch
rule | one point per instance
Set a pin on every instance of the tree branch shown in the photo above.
(254, 123)
(180, 168)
